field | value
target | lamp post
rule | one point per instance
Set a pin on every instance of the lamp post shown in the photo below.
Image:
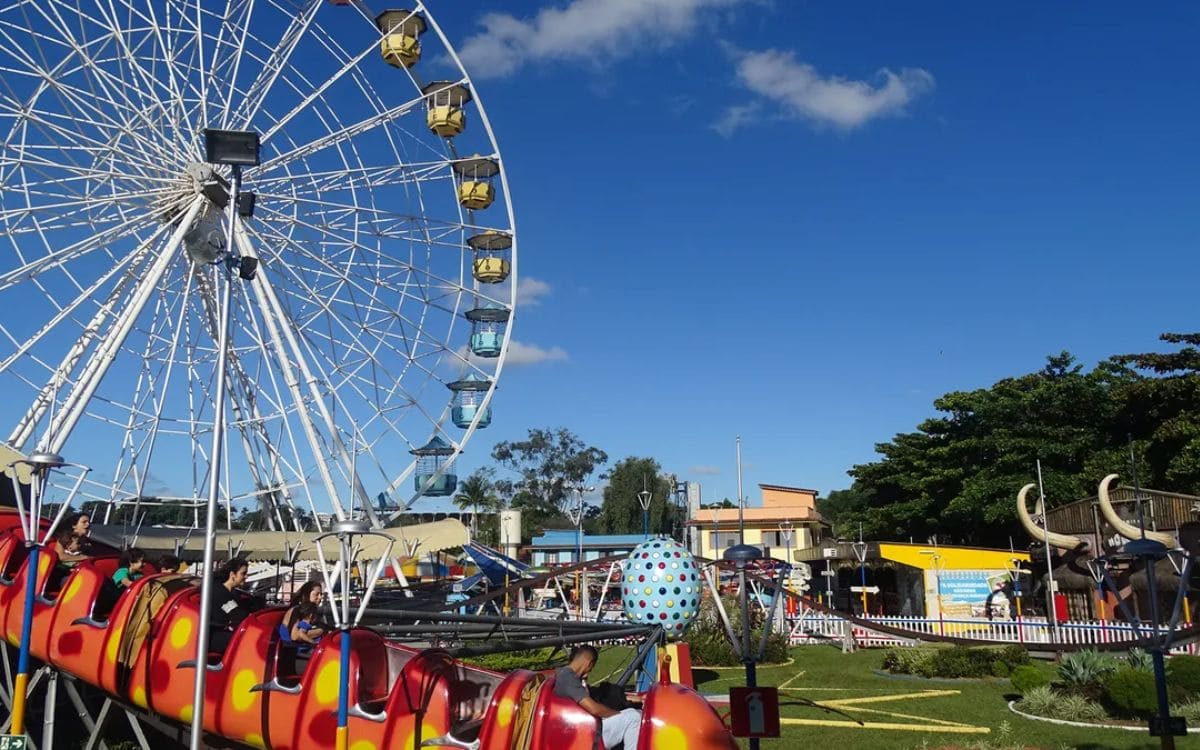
(234, 149)
(860, 551)
(576, 517)
(39, 464)
(740, 555)
(1016, 570)
(936, 559)
(1042, 516)
(644, 498)
(346, 532)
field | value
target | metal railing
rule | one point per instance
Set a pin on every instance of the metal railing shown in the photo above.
(813, 627)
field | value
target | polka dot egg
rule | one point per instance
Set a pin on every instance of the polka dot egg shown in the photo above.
(661, 585)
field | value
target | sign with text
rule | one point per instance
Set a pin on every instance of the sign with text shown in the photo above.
(754, 711)
(12, 742)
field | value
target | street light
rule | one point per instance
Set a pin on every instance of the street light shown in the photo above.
(576, 517)
(235, 149)
(40, 464)
(740, 555)
(860, 551)
(644, 498)
(1016, 570)
(346, 532)
(936, 559)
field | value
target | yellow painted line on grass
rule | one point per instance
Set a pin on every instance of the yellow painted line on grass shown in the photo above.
(897, 715)
(886, 725)
(788, 680)
(842, 702)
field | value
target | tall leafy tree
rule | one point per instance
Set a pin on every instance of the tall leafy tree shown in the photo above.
(549, 464)
(621, 513)
(958, 473)
(477, 493)
(1164, 410)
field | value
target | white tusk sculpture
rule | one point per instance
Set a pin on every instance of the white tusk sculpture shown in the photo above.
(1124, 528)
(1062, 541)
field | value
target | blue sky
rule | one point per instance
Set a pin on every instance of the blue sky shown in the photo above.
(801, 223)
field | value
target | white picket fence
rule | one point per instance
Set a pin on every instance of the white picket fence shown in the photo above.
(814, 627)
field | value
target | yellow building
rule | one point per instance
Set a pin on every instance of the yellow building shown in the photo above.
(787, 519)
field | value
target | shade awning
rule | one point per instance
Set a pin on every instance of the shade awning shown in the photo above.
(410, 541)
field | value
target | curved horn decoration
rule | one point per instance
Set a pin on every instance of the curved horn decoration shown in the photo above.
(1124, 528)
(1062, 541)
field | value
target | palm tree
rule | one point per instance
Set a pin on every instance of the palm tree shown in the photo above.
(477, 492)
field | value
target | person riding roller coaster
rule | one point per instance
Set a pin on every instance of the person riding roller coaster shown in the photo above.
(617, 726)
(227, 609)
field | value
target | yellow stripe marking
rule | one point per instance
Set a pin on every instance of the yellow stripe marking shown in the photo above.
(886, 725)
(894, 697)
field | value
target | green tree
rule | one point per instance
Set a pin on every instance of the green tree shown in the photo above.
(1164, 411)
(621, 513)
(958, 474)
(550, 464)
(477, 493)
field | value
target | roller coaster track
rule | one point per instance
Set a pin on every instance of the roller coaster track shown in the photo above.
(141, 655)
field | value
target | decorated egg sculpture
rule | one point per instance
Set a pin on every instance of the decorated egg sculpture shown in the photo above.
(660, 585)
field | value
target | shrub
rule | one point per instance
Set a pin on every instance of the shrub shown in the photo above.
(536, 659)
(956, 661)
(708, 645)
(1131, 692)
(1000, 668)
(1077, 708)
(917, 661)
(1140, 659)
(1183, 676)
(1045, 701)
(959, 661)
(1014, 655)
(1038, 701)
(1087, 667)
(1028, 677)
(1189, 711)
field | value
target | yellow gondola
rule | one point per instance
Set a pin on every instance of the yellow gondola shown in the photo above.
(402, 30)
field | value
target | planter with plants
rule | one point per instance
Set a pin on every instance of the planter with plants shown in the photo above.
(1103, 689)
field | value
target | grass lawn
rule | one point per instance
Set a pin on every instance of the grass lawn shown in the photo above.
(906, 712)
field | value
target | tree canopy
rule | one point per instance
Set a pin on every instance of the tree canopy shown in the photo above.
(957, 475)
(621, 512)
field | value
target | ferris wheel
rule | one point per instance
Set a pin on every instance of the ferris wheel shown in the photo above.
(371, 311)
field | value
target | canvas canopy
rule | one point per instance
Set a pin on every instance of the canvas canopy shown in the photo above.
(410, 541)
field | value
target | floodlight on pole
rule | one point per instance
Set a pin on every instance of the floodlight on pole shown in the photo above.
(741, 555)
(234, 149)
(644, 498)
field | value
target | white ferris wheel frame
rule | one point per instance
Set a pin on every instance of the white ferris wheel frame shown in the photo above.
(134, 282)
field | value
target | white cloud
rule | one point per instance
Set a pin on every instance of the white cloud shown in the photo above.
(532, 354)
(735, 117)
(581, 30)
(530, 291)
(706, 471)
(803, 93)
(520, 353)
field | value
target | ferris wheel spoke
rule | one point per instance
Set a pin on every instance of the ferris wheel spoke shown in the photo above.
(281, 55)
(348, 241)
(337, 277)
(391, 175)
(111, 88)
(338, 136)
(59, 258)
(95, 368)
(130, 262)
(315, 94)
